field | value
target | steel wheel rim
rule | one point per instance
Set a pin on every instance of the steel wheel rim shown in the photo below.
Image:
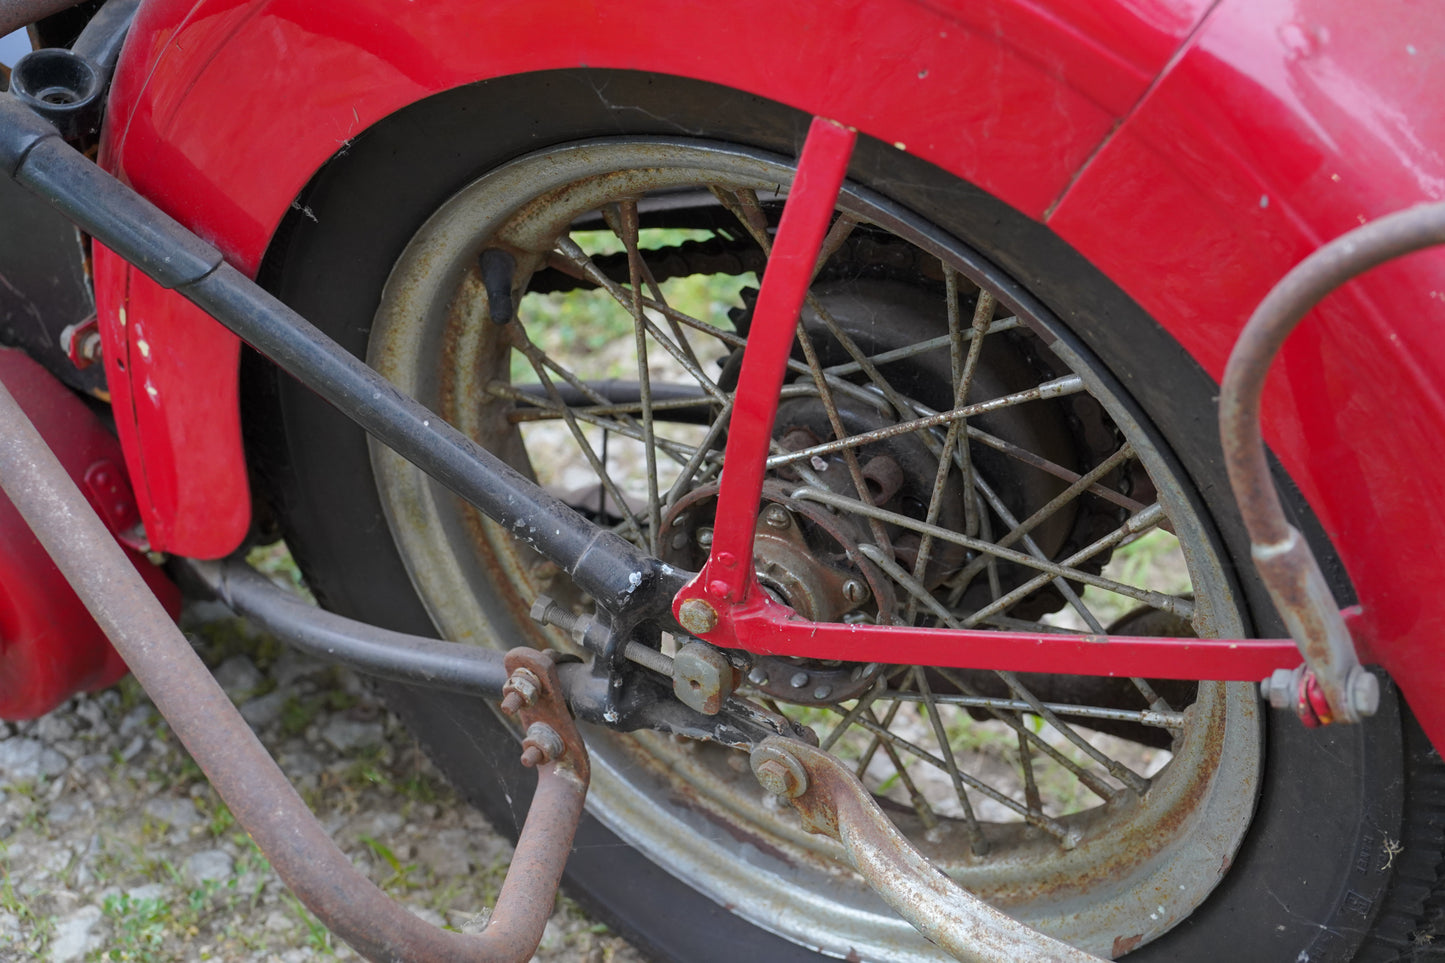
(784, 883)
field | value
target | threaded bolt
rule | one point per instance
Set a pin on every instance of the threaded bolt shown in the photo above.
(520, 692)
(541, 745)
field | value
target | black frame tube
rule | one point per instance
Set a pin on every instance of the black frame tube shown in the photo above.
(619, 576)
(451, 666)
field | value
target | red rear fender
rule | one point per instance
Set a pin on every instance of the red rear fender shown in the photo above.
(1192, 162)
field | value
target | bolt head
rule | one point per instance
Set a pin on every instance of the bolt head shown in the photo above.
(779, 772)
(1364, 693)
(777, 517)
(798, 680)
(821, 692)
(697, 616)
(757, 676)
(773, 776)
(855, 591)
(704, 537)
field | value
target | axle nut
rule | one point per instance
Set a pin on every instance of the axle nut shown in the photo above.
(697, 616)
(779, 772)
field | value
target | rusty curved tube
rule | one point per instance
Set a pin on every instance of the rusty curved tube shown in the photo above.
(832, 802)
(248, 780)
(1285, 563)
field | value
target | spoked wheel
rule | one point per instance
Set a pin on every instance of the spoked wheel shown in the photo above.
(583, 311)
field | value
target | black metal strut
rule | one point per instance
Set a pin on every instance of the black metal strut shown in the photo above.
(619, 576)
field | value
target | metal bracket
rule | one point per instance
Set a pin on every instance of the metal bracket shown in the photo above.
(834, 803)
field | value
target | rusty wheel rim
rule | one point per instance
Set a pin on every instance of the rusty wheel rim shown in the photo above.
(1157, 852)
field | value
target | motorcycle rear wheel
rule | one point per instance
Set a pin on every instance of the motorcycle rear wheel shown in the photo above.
(367, 537)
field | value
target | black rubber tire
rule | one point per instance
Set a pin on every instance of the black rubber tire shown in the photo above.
(1314, 873)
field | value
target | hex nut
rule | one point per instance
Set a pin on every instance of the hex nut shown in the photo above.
(542, 744)
(779, 772)
(1279, 688)
(697, 616)
(520, 691)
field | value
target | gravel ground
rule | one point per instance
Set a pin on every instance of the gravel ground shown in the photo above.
(114, 847)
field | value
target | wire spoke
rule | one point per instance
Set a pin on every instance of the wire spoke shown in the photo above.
(1049, 825)
(964, 364)
(867, 758)
(556, 410)
(1146, 717)
(1030, 546)
(1149, 518)
(1018, 530)
(1091, 780)
(859, 707)
(915, 798)
(627, 231)
(1116, 768)
(916, 349)
(532, 354)
(950, 764)
(1067, 385)
(570, 250)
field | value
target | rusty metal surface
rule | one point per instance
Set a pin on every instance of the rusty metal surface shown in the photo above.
(246, 777)
(1285, 562)
(834, 803)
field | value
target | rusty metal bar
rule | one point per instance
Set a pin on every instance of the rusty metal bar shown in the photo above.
(834, 803)
(245, 775)
(1285, 562)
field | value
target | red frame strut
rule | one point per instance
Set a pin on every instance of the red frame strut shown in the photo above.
(747, 618)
